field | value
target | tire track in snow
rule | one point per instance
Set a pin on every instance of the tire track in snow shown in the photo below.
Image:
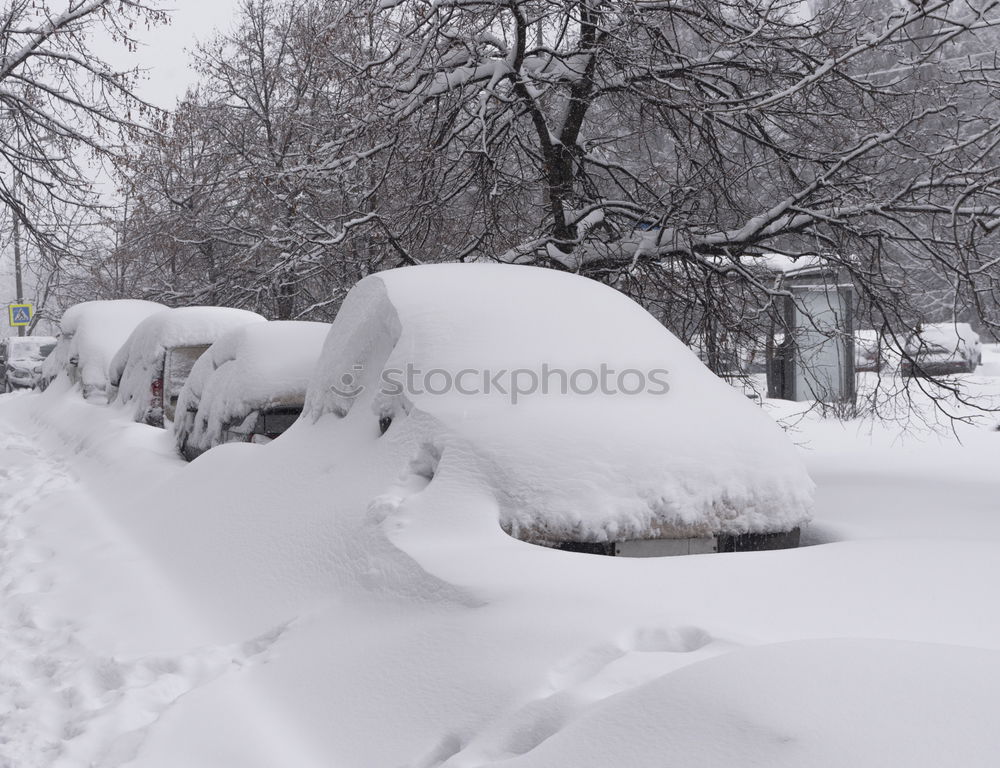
(63, 704)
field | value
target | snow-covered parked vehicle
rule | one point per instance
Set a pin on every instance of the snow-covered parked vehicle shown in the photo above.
(936, 349)
(869, 351)
(249, 386)
(21, 359)
(585, 423)
(90, 334)
(152, 366)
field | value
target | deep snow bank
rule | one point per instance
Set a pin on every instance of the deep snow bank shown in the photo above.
(585, 418)
(821, 703)
(406, 629)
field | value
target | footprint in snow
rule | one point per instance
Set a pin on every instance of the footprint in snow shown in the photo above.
(62, 705)
(570, 688)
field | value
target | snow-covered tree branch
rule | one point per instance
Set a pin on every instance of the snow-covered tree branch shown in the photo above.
(62, 104)
(628, 135)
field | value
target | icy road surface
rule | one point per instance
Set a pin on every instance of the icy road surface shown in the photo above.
(236, 612)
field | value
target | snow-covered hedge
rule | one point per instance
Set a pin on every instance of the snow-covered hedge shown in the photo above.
(140, 360)
(451, 359)
(253, 367)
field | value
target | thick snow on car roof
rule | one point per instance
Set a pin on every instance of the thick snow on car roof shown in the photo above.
(691, 458)
(140, 359)
(93, 332)
(252, 367)
(947, 335)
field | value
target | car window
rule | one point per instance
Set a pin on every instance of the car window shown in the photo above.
(22, 349)
(178, 365)
(274, 423)
(176, 368)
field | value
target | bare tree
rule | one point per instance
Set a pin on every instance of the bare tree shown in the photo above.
(291, 121)
(659, 146)
(62, 105)
(631, 136)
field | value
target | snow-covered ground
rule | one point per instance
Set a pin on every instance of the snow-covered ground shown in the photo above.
(282, 605)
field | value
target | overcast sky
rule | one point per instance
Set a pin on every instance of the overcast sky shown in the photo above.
(165, 50)
(164, 55)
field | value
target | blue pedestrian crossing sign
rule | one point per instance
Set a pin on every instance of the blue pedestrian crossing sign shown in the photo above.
(20, 315)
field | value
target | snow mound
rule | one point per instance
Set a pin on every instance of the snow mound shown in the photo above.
(819, 703)
(140, 359)
(253, 367)
(584, 418)
(91, 333)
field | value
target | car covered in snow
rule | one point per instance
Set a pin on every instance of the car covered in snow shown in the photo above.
(936, 349)
(151, 367)
(249, 386)
(21, 359)
(90, 333)
(559, 404)
(869, 351)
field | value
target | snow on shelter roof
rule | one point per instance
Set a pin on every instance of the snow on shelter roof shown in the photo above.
(583, 416)
(780, 264)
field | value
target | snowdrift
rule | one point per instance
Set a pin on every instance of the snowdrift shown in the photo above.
(345, 596)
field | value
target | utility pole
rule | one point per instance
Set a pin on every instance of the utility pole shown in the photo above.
(19, 286)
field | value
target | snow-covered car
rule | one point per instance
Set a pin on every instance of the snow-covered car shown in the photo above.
(869, 354)
(249, 386)
(151, 367)
(21, 359)
(936, 349)
(90, 334)
(560, 404)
